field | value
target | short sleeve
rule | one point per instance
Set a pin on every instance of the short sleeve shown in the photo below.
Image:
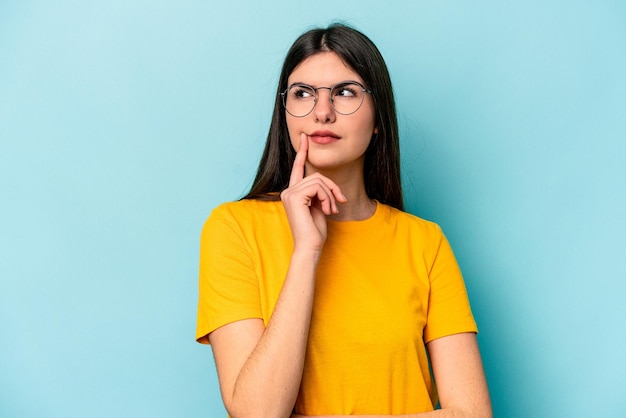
(228, 286)
(449, 310)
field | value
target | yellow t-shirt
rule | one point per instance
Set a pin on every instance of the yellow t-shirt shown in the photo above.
(385, 286)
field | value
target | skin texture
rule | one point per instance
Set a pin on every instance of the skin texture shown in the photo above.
(342, 160)
(355, 131)
(260, 368)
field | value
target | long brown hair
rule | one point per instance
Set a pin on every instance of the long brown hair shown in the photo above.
(382, 158)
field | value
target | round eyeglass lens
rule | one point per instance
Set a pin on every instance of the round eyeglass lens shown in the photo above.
(345, 98)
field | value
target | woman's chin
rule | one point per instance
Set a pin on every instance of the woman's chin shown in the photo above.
(330, 165)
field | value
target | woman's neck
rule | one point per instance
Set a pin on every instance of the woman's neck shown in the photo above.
(355, 209)
(359, 206)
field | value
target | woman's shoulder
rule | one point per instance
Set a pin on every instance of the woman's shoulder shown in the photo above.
(247, 205)
(411, 221)
(246, 211)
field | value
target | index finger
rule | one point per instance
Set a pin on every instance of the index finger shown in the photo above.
(297, 172)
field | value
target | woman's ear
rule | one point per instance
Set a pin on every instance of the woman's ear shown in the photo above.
(375, 130)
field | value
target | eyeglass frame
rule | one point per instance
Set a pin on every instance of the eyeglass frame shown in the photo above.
(330, 96)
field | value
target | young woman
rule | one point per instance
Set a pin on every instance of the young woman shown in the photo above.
(318, 294)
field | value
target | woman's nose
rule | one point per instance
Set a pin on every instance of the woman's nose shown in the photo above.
(324, 111)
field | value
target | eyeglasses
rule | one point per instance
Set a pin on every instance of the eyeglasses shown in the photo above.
(345, 97)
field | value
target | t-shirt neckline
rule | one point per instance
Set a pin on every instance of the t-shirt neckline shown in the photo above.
(357, 224)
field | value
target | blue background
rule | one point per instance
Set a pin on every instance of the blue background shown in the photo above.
(123, 123)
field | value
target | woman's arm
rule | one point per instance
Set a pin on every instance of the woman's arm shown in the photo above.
(460, 378)
(260, 368)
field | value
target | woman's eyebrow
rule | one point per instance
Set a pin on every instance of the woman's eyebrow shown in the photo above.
(333, 84)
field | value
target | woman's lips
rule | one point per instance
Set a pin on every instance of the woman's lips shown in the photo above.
(323, 137)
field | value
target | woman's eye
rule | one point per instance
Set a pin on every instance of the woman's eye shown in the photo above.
(346, 91)
(302, 93)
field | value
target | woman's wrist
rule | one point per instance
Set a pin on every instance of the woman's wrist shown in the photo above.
(304, 256)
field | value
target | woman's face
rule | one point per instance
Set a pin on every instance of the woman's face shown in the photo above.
(336, 141)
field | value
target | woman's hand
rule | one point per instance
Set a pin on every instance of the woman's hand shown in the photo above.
(307, 201)
(260, 367)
